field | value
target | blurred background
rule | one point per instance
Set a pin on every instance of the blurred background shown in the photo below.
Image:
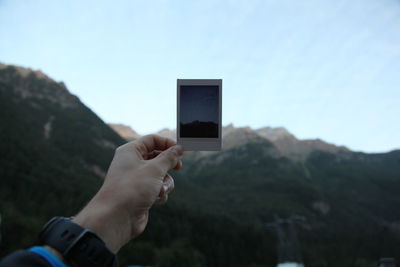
(310, 170)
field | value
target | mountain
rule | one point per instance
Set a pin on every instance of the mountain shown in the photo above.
(129, 134)
(124, 131)
(290, 146)
(54, 153)
(343, 207)
(286, 144)
(255, 203)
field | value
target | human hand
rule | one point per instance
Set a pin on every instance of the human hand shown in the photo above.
(137, 179)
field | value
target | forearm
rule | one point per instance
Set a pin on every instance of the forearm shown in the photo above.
(136, 180)
(108, 223)
(111, 224)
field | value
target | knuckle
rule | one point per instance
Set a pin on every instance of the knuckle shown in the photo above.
(141, 147)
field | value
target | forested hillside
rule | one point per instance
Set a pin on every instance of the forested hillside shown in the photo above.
(226, 210)
(53, 154)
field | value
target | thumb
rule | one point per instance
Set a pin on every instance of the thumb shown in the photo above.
(168, 159)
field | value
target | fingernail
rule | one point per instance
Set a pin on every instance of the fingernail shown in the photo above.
(165, 187)
(178, 150)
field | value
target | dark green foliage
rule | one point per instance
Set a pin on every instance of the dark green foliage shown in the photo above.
(43, 177)
(361, 193)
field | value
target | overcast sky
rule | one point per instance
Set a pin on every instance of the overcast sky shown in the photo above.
(324, 69)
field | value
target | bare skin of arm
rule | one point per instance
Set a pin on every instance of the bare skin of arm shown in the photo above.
(136, 180)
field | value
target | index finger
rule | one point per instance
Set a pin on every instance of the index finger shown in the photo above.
(149, 143)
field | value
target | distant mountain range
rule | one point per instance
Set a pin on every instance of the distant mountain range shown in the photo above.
(286, 144)
(266, 197)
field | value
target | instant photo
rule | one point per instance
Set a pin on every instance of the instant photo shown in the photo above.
(199, 114)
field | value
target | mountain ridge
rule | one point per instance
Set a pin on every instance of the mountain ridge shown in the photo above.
(40, 86)
(285, 142)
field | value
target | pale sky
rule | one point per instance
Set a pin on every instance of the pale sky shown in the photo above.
(324, 69)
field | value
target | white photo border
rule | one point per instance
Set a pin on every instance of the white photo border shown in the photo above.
(200, 144)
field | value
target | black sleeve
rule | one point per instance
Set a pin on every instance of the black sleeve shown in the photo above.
(24, 258)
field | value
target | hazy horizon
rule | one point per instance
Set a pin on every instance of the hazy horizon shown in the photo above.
(321, 69)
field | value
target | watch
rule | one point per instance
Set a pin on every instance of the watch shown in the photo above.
(79, 246)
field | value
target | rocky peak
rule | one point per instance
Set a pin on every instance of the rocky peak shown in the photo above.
(232, 136)
(124, 131)
(274, 134)
(227, 129)
(35, 85)
(25, 72)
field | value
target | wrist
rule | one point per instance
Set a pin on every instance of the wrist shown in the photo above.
(110, 223)
(78, 246)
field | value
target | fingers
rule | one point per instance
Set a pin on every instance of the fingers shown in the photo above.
(152, 154)
(168, 159)
(168, 186)
(155, 153)
(178, 166)
(149, 143)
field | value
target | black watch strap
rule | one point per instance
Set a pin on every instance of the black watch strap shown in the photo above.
(79, 246)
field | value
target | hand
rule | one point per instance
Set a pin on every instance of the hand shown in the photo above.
(137, 179)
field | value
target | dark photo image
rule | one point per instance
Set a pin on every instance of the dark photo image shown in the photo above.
(199, 111)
